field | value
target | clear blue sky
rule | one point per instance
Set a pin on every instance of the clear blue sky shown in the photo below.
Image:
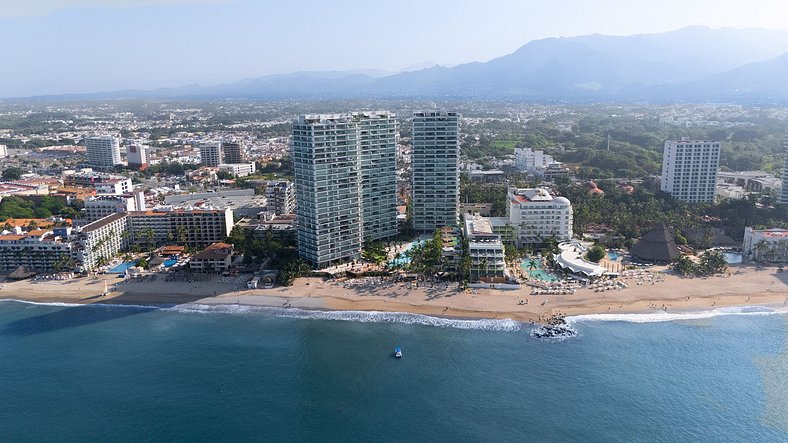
(57, 46)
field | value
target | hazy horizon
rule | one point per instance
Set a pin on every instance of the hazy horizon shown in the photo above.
(83, 46)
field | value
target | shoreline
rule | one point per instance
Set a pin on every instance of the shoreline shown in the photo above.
(666, 293)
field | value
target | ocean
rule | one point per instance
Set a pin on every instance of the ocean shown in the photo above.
(230, 373)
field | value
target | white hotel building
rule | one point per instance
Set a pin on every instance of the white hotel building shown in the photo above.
(689, 170)
(103, 151)
(436, 175)
(536, 215)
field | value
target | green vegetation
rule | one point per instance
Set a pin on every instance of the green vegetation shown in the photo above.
(632, 215)
(374, 252)
(711, 263)
(282, 255)
(35, 207)
(12, 173)
(171, 168)
(595, 253)
(425, 258)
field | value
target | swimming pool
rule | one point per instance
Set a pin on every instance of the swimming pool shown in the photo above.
(613, 256)
(169, 262)
(404, 259)
(122, 267)
(732, 258)
(535, 269)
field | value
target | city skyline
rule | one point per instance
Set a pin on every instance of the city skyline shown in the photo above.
(258, 38)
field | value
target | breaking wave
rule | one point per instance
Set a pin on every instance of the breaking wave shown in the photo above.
(658, 317)
(506, 325)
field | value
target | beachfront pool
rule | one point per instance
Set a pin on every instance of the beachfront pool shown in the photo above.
(169, 262)
(403, 259)
(613, 256)
(535, 269)
(732, 258)
(122, 267)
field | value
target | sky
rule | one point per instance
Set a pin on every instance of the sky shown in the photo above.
(65, 46)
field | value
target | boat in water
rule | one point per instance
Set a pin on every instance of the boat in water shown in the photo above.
(397, 352)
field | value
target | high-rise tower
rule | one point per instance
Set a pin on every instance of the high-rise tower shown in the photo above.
(689, 170)
(436, 178)
(233, 152)
(378, 143)
(210, 153)
(103, 151)
(327, 165)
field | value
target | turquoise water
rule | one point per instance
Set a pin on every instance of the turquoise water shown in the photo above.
(612, 256)
(122, 267)
(538, 272)
(169, 262)
(109, 373)
(732, 258)
(404, 259)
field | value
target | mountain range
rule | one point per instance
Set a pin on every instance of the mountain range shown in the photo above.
(689, 64)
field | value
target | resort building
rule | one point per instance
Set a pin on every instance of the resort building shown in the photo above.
(327, 164)
(767, 245)
(36, 250)
(485, 248)
(192, 227)
(211, 153)
(435, 185)
(103, 183)
(233, 152)
(3, 151)
(280, 196)
(689, 169)
(378, 147)
(101, 206)
(215, 258)
(103, 152)
(537, 215)
(136, 156)
(239, 169)
(98, 242)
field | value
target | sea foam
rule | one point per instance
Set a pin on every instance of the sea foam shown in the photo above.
(661, 316)
(506, 325)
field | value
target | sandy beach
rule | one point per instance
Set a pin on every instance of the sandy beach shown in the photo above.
(743, 286)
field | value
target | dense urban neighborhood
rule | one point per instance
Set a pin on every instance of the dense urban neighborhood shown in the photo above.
(484, 194)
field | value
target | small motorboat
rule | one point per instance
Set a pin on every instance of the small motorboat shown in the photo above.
(397, 352)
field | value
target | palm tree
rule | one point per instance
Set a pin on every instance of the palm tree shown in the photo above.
(759, 248)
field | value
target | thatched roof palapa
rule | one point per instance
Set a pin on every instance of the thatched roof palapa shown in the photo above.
(656, 246)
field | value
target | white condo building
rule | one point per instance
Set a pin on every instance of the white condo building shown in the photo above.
(327, 164)
(485, 248)
(378, 140)
(3, 151)
(436, 180)
(103, 151)
(211, 153)
(689, 169)
(239, 169)
(537, 215)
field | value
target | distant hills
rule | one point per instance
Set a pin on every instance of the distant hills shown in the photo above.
(690, 64)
